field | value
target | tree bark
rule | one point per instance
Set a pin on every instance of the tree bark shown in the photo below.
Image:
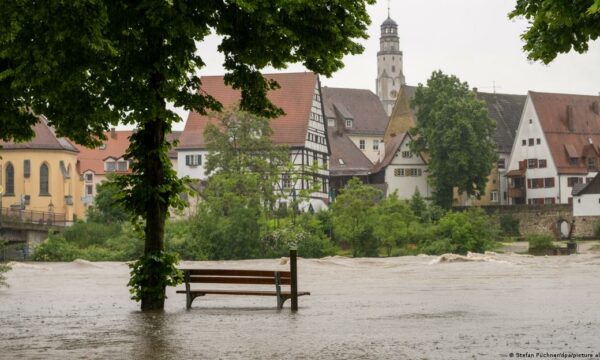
(153, 137)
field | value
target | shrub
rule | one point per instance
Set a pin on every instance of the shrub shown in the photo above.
(55, 248)
(460, 232)
(509, 225)
(597, 230)
(540, 243)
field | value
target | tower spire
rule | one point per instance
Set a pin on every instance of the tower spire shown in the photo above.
(388, 8)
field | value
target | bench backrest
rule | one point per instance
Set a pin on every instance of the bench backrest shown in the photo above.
(218, 276)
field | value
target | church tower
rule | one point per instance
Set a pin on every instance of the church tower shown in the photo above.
(389, 65)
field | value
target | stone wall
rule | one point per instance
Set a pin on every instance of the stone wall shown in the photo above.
(543, 219)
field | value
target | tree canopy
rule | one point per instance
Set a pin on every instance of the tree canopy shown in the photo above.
(558, 26)
(454, 128)
(88, 65)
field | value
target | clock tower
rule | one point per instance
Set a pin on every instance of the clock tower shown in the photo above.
(389, 65)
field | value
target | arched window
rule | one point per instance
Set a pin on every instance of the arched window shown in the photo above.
(44, 180)
(10, 179)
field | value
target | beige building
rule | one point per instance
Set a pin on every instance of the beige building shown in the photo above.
(40, 177)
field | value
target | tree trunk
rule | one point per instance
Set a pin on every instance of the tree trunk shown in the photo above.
(153, 137)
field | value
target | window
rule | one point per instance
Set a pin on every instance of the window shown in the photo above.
(375, 145)
(348, 123)
(361, 144)
(535, 183)
(315, 159)
(393, 68)
(89, 190)
(330, 122)
(10, 179)
(89, 177)
(407, 154)
(398, 172)
(592, 164)
(530, 121)
(286, 181)
(26, 168)
(109, 166)
(574, 161)
(532, 163)
(531, 141)
(549, 200)
(44, 180)
(501, 164)
(549, 182)
(408, 172)
(103, 147)
(573, 180)
(538, 141)
(193, 160)
(542, 163)
(494, 196)
(524, 142)
(122, 166)
(325, 162)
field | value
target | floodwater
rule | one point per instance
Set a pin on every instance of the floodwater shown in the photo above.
(423, 307)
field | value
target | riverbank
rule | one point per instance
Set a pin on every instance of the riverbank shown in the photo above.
(486, 306)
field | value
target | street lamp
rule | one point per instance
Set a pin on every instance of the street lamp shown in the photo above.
(50, 212)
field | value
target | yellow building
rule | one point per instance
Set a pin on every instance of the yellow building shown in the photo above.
(40, 177)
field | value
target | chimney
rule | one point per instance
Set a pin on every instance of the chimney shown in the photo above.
(113, 133)
(570, 120)
(475, 90)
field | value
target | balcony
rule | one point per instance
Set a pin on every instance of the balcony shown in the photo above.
(516, 192)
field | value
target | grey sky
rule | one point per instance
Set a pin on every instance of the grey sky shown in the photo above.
(473, 39)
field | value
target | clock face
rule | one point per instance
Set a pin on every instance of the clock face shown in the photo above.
(393, 94)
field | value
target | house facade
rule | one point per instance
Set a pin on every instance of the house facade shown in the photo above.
(556, 147)
(586, 198)
(41, 176)
(403, 171)
(302, 129)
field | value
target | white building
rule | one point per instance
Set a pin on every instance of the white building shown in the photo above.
(302, 128)
(402, 170)
(390, 75)
(557, 146)
(586, 198)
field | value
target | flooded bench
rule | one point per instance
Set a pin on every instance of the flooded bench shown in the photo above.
(281, 280)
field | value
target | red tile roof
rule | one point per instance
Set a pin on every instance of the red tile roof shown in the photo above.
(44, 139)
(294, 97)
(552, 111)
(93, 159)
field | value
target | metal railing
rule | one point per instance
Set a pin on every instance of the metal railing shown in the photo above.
(18, 216)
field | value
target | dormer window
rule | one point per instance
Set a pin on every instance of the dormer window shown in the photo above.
(102, 147)
(592, 164)
(122, 166)
(348, 123)
(330, 122)
(110, 166)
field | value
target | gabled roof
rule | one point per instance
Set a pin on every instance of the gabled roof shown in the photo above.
(116, 143)
(294, 96)
(44, 139)
(505, 110)
(592, 187)
(571, 123)
(391, 148)
(362, 106)
(346, 159)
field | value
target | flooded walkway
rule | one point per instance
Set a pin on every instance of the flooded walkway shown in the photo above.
(405, 308)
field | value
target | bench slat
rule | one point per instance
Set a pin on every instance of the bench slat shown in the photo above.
(237, 280)
(241, 292)
(234, 272)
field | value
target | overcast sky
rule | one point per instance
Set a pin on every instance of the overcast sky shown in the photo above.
(472, 39)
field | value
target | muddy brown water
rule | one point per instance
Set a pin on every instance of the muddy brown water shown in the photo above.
(403, 308)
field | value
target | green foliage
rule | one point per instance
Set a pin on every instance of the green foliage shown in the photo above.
(509, 225)
(597, 230)
(182, 237)
(152, 273)
(418, 204)
(459, 233)
(392, 223)
(307, 234)
(107, 203)
(454, 128)
(90, 65)
(540, 242)
(352, 214)
(558, 26)
(3, 267)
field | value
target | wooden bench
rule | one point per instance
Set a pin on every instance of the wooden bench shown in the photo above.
(247, 277)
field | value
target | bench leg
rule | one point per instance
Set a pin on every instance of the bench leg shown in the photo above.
(280, 301)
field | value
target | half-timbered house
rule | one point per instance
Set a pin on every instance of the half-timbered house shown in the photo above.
(302, 129)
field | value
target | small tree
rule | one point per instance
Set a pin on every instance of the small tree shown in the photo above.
(418, 204)
(352, 220)
(3, 267)
(392, 221)
(108, 207)
(455, 129)
(558, 26)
